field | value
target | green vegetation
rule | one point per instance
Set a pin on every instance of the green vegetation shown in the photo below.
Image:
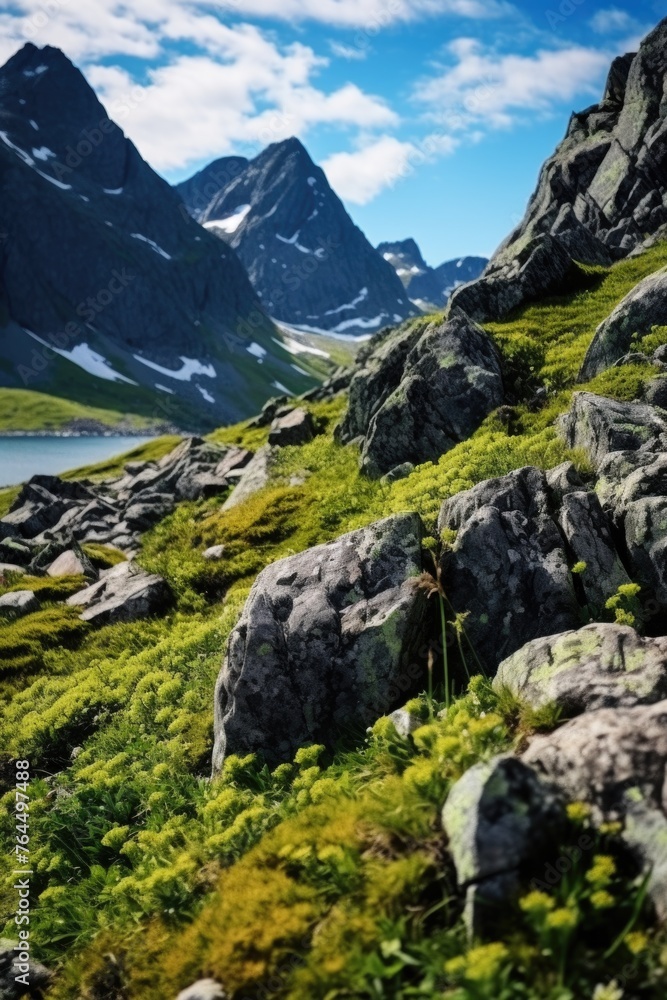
(149, 452)
(329, 876)
(25, 410)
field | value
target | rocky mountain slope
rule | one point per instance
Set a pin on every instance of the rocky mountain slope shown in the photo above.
(109, 294)
(429, 287)
(310, 265)
(301, 729)
(600, 197)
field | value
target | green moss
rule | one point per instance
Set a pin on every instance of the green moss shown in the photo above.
(152, 451)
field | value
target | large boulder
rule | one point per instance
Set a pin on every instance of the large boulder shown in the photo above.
(420, 393)
(124, 593)
(598, 666)
(508, 568)
(641, 310)
(255, 476)
(498, 818)
(599, 426)
(328, 641)
(627, 444)
(615, 759)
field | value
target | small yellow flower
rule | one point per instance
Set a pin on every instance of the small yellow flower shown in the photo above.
(485, 962)
(537, 902)
(610, 991)
(562, 919)
(578, 812)
(456, 967)
(602, 900)
(611, 829)
(602, 871)
(636, 942)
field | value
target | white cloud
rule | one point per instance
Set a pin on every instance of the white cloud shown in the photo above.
(611, 20)
(360, 176)
(252, 92)
(367, 14)
(488, 90)
(350, 52)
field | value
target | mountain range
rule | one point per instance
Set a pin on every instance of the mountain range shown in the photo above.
(429, 288)
(311, 267)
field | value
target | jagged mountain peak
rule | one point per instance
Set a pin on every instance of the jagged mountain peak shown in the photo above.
(310, 265)
(429, 288)
(100, 259)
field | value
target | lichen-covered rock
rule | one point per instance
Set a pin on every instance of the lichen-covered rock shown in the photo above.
(17, 603)
(525, 272)
(588, 533)
(328, 640)
(295, 427)
(616, 760)
(124, 593)
(508, 568)
(600, 426)
(421, 392)
(72, 562)
(498, 817)
(598, 666)
(641, 310)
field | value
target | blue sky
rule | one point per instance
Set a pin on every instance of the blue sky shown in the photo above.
(430, 117)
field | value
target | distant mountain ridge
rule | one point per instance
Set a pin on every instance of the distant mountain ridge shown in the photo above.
(109, 293)
(310, 265)
(429, 287)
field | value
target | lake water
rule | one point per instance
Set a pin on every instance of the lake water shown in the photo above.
(23, 457)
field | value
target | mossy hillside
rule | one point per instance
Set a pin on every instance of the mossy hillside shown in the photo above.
(26, 410)
(140, 858)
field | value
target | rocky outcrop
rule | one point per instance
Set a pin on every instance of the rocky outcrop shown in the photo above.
(498, 818)
(508, 568)
(310, 265)
(598, 197)
(627, 444)
(600, 426)
(520, 274)
(641, 310)
(599, 666)
(616, 760)
(52, 517)
(255, 476)
(15, 962)
(420, 392)
(327, 642)
(123, 593)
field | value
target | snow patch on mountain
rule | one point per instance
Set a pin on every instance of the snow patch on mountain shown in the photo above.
(84, 357)
(190, 367)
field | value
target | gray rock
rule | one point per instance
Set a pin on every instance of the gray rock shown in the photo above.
(564, 479)
(203, 989)
(214, 553)
(598, 666)
(17, 603)
(256, 476)
(401, 471)
(149, 508)
(235, 460)
(508, 566)
(72, 562)
(11, 965)
(641, 310)
(655, 392)
(418, 395)
(295, 427)
(498, 817)
(588, 533)
(124, 593)
(405, 722)
(328, 641)
(600, 426)
(616, 760)
(527, 271)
